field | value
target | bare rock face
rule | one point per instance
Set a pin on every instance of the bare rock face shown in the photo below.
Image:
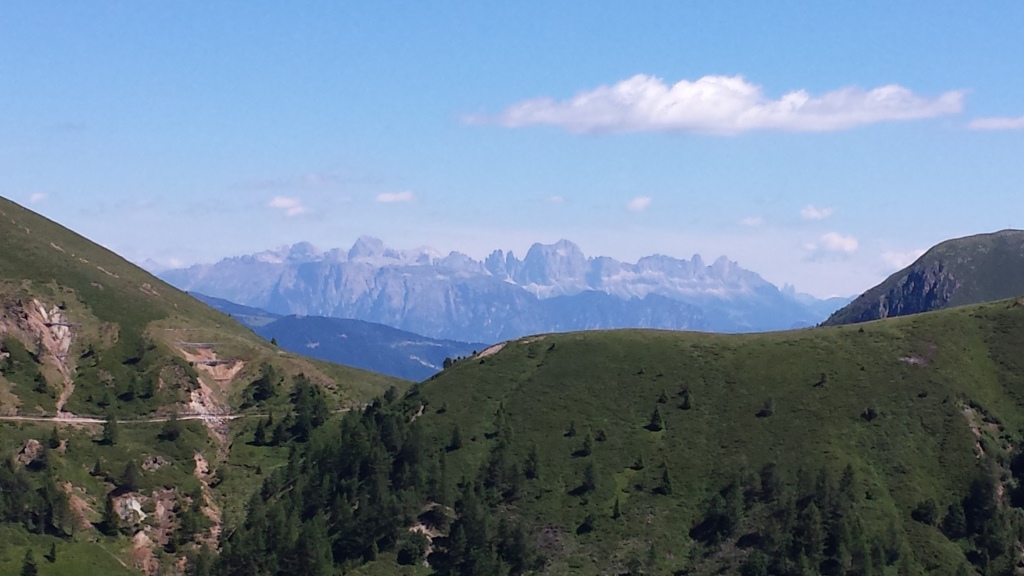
(556, 287)
(153, 463)
(29, 452)
(48, 330)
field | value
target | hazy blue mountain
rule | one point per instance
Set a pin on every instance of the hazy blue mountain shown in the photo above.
(351, 342)
(555, 287)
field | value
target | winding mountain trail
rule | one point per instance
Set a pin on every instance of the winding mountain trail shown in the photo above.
(65, 418)
(92, 420)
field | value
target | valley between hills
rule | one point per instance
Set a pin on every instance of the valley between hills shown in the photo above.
(144, 432)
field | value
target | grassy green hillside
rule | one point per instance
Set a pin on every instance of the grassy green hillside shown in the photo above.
(911, 404)
(888, 447)
(121, 399)
(957, 272)
(123, 316)
(885, 448)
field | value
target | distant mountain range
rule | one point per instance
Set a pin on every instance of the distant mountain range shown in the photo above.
(968, 270)
(554, 288)
(354, 343)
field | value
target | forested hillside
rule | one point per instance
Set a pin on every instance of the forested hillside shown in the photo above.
(887, 448)
(120, 402)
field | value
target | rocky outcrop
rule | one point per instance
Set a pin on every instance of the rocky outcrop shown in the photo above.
(555, 287)
(958, 272)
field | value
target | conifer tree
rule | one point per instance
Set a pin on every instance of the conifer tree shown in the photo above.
(171, 429)
(111, 519)
(954, 526)
(314, 548)
(111, 433)
(28, 565)
(588, 445)
(514, 548)
(200, 564)
(639, 464)
(456, 439)
(656, 424)
(260, 436)
(280, 434)
(589, 478)
(532, 466)
(666, 481)
(130, 477)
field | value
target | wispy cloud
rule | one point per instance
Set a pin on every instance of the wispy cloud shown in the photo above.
(638, 204)
(897, 260)
(812, 213)
(752, 221)
(997, 123)
(392, 197)
(38, 197)
(722, 105)
(308, 181)
(290, 206)
(836, 242)
(830, 246)
(555, 199)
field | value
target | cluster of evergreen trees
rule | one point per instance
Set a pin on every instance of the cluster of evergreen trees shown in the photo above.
(344, 495)
(816, 525)
(32, 498)
(354, 490)
(812, 527)
(309, 411)
(988, 531)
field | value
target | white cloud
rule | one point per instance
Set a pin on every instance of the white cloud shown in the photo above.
(307, 181)
(752, 221)
(290, 206)
(831, 246)
(899, 260)
(997, 123)
(391, 197)
(721, 105)
(555, 199)
(38, 197)
(638, 204)
(811, 213)
(836, 242)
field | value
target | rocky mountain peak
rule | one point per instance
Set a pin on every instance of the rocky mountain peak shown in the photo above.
(304, 252)
(456, 296)
(547, 264)
(366, 248)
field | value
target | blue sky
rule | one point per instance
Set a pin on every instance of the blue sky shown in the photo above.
(819, 144)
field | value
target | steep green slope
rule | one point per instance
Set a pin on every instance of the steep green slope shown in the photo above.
(120, 399)
(886, 448)
(957, 272)
(121, 313)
